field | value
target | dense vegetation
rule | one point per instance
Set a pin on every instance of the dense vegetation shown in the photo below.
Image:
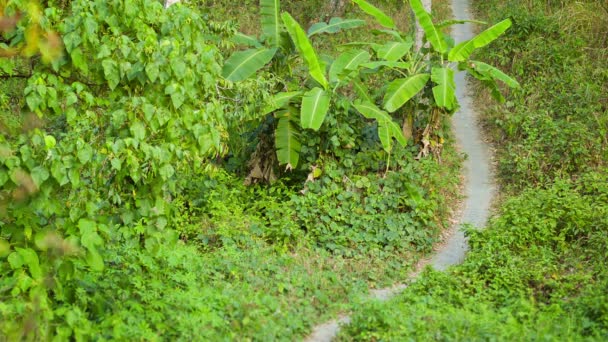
(144, 193)
(538, 271)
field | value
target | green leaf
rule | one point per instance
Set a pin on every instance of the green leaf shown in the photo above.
(94, 260)
(463, 50)
(138, 130)
(279, 100)
(380, 16)
(39, 174)
(305, 48)
(287, 142)
(30, 258)
(152, 71)
(401, 90)
(371, 111)
(166, 171)
(78, 60)
(111, 73)
(49, 142)
(432, 34)
(392, 51)
(445, 91)
(349, 60)
(15, 260)
(361, 90)
(243, 39)
(448, 23)
(387, 128)
(335, 25)
(271, 25)
(494, 73)
(242, 64)
(85, 153)
(315, 105)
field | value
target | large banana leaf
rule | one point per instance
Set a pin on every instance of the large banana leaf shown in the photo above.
(335, 25)
(380, 16)
(445, 90)
(286, 140)
(242, 64)
(463, 50)
(387, 128)
(271, 24)
(401, 90)
(243, 39)
(315, 105)
(392, 51)
(432, 34)
(305, 48)
(279, 100)
(494, 73)
(361, 90)
(349, 61)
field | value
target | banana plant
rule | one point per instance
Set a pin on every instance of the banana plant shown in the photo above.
(433, 68)
(281, 32)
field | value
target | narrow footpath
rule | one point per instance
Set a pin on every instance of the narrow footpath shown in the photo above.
(479, 187)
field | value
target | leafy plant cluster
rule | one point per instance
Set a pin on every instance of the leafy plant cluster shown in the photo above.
(330, 84)
(562, 129)
(133, 103)
(538, 271)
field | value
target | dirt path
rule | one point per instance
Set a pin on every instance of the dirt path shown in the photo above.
(478, 188)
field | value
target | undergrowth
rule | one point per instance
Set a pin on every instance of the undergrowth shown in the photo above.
(538, 271)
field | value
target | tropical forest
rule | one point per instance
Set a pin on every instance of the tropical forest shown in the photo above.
(307, 170)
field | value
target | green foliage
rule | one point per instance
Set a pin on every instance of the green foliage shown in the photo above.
(561, 130)
(530, 275)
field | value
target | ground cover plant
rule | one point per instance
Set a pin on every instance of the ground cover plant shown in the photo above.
(538, 270)
(125, 151)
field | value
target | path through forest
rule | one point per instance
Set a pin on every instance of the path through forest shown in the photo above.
(478, 188)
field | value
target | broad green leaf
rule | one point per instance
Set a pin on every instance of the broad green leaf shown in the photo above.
(85, 153)
(271, 25)
(445, 90)
(39, 174)
(30, 259)
(335, 25)
(401, 90)
(393, 51)
(387, 128)
(243, 39)
(371, 111)
(94, 260)
(397, 133)
(463, 50)
(380, 16)
(315, 104)
(287, 142)
(279, 100)
(432, 34)
(489, 35)
(305, 48)
(242, 64)
(494, 73)
(361, 90)
(377, 64)
(166, 172)
(78, 60)
(349, 60)
(138, 130)
(111, 73)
